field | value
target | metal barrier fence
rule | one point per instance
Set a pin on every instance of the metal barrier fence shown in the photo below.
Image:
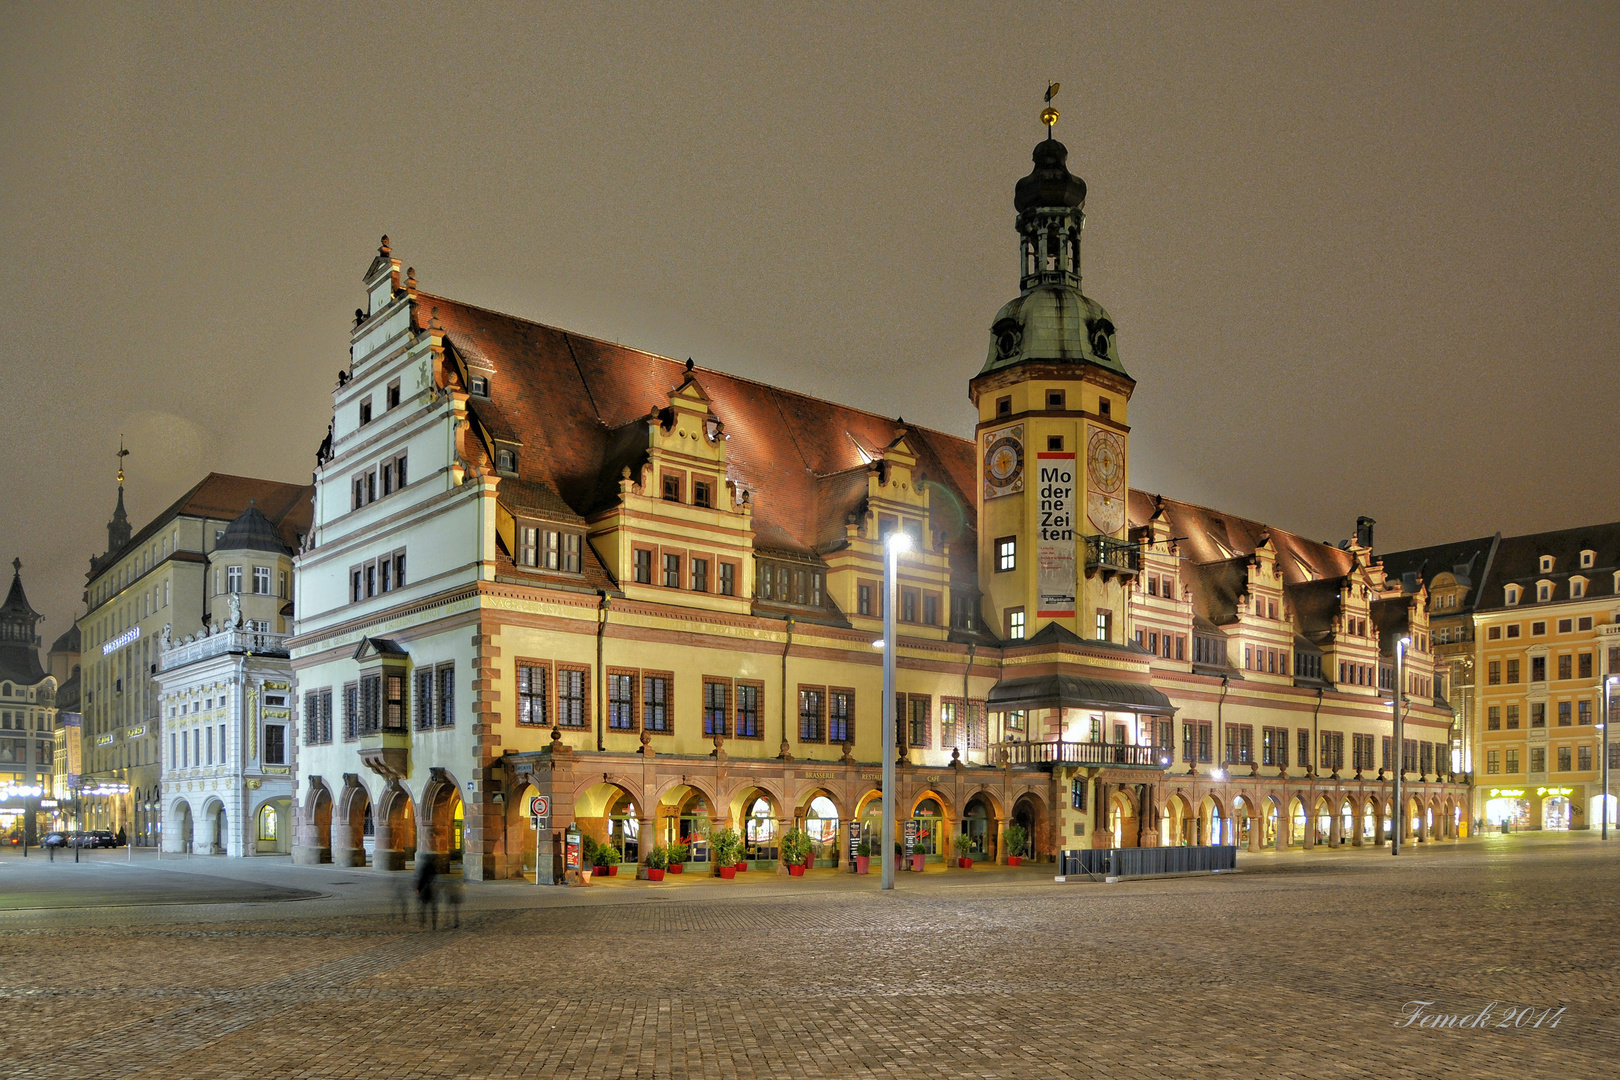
(1142, 862)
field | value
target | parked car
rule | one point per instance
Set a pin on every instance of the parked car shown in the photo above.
(102, 838)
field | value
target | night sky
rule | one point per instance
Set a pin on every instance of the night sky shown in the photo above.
(1362, 258)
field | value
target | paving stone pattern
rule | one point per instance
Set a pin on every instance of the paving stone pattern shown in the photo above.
(1297, 967)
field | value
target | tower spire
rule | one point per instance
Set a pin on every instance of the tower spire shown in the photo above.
(118, 530)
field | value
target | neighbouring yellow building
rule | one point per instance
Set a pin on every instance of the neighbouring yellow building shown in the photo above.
(543, 564)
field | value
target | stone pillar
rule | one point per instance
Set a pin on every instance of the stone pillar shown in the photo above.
(1310, 826)
(1257, 830)
(1284, 826)
(1336, 830)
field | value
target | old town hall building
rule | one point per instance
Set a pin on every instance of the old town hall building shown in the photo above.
(546, 564)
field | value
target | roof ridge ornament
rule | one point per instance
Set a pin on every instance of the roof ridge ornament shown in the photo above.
(1049, 115)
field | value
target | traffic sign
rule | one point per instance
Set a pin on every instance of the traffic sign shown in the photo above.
(539, 806)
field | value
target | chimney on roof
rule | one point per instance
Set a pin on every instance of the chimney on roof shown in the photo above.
(1364, 531)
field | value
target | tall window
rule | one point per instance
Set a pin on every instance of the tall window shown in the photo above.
(863, 599)
(621, 689)
(261, 581)
(1304, 743)
(643, 566)
(532, 701)
(672, 571)
(424, 698)
(810, 714)
(949, 711)
(1197, 742)
(748, 705)
(700, 575)
(351, 711)
(233, 579)
(1015, 624)
(728, 579)
(571, 690)
(318, 716)
(917, 722)
(445, 698)
(841, 716)
(655, 702)
(275, 745)
(1105, 626)
(370, 704)
(1493, 718)
(394, 713)
(714, 708)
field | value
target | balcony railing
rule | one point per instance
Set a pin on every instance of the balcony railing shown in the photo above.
(1035, 754)
(1110, 555)
(226, 641)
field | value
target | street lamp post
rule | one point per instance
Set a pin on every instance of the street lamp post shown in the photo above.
(897, 542)
(1608, 713)
(1397, 815)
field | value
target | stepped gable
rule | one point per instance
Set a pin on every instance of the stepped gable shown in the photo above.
(577, 406)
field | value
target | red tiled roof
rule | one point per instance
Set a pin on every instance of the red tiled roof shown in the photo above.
(577, 405)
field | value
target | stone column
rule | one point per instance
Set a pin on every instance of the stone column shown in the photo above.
(1257, 830)
(1284, 825)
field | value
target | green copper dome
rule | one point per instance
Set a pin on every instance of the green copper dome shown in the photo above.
(1054, 323)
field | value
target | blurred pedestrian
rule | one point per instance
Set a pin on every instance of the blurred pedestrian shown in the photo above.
(452, 896)
(427, 872)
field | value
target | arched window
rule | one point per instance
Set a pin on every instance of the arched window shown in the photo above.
(267, 822)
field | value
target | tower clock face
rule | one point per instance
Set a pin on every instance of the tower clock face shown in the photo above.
(1103, 460)
(1105, 468)
(1004, 461)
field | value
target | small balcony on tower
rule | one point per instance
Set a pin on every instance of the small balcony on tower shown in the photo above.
(1104, 553)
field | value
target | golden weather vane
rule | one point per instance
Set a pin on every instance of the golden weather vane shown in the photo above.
(122, 454)
(1049, 115)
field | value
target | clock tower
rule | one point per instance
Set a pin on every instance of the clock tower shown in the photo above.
(1053, 438)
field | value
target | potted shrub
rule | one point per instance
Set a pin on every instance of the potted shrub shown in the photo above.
(899, 855)
(1016, 838)
(607, 860)
(917, 856)
(863, 857)
(795, 850)
(964, 844)
(726, 848)
(657, 863)
(677, 853)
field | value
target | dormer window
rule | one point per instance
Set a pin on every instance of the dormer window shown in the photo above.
(550, 549)
(505, 461)
(1546, 564)
(1577, 588)
(1544, 591)
(1512, 594)
(479, 386)
(1588, 558)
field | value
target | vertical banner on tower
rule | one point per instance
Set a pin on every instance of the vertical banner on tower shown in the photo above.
(1054, 551)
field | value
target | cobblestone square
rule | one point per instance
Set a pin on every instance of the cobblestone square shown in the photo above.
(1299, 965)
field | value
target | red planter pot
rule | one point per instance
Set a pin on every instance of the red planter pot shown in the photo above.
(741, 867)
(965, 864)
(1015, 860)
(863, 864)
(654, 874)
(728, 872)
(606, 871)
(675, 867)
(795, 870)
(917, 862)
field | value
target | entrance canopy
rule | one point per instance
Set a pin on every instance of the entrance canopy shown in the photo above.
(1078, 692)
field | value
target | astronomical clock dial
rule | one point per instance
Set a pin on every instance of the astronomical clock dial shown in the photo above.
(1004, 461)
